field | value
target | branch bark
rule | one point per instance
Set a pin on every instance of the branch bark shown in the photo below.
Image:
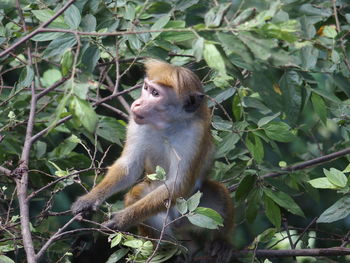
(54, 237)
(315, 252)
(301, 166)
(5, 171)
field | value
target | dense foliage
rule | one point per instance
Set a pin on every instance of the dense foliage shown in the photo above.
(277, 73)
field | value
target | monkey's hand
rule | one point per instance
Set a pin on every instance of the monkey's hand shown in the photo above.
(84, 205)
(121, 221)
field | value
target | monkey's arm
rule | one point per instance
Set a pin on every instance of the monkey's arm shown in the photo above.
(122, 174)
(147, 206)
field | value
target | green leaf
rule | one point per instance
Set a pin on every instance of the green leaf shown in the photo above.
(130, 12)
(50, 76)
(282, 164)
(159, 24)
(285, 201)
(290, 84)
(211, 213)
(64, 149)
(237, 108)
(221, 125)
(116, 256)
(60, 109)
(193, 201)
(227, 144)
(181, 205)
(47, 36)
(198, 48)
(322, 183)
(133, 243)
(60, 45)
(72, 17)
(261, 48)
(272, 211)
(90, 58)
(147, 249)
(347, 169)
(88, 23)
(5, 259)
(116, 240)
(279, 131)
(159, 175)
(40, 149)
(182, 5)
(111, 129)
(214, 16)
(244, 15)
(46, 14)
(255, 147)
(245, 186)
(267, 235)
(330, 31)
(267, 119)
(213, 58)
(67, 62)
(206, 218)
(25, 78)
(86, 114)
(337, 211)
(336, 177)
(319, 107)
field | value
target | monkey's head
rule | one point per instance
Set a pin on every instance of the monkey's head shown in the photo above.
(169, 94)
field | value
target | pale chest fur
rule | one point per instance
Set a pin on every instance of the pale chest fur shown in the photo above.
(169, 148)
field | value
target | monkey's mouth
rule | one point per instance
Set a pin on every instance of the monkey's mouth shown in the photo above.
(138, 119)
(138, 116)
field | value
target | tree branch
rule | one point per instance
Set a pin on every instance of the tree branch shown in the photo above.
(38, 30)
(301, 166)
(346, 59)
(5, 171)
(52, 87)
(314, 252)
(54, 237)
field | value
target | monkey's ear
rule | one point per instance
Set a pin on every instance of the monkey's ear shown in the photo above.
(193, 102)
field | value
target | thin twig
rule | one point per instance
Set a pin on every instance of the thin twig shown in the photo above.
(54, 237)
(304, 231)
(346, 60)
(301, 166)
(314, 252)
(5, 171)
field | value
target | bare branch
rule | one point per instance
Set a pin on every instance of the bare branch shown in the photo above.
(5, 171)
(346, 59)
(301, 166)
(54, 237)
(52, 87)
(41, 133)
(315, 252)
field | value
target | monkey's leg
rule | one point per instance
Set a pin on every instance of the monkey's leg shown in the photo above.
(218, 248)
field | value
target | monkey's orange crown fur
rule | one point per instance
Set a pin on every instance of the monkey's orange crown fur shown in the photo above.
(181, 79)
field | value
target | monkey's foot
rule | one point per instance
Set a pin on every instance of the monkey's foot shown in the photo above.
(119, 221)
(220, 251)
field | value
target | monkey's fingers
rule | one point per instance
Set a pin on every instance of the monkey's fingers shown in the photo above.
(83, 206)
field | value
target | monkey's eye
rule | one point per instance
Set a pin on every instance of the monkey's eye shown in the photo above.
(145, 87)
(155, 93)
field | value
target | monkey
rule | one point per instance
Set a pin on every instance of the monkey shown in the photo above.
(170, 128)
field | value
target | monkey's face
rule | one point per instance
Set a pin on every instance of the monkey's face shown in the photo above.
(158, 105)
